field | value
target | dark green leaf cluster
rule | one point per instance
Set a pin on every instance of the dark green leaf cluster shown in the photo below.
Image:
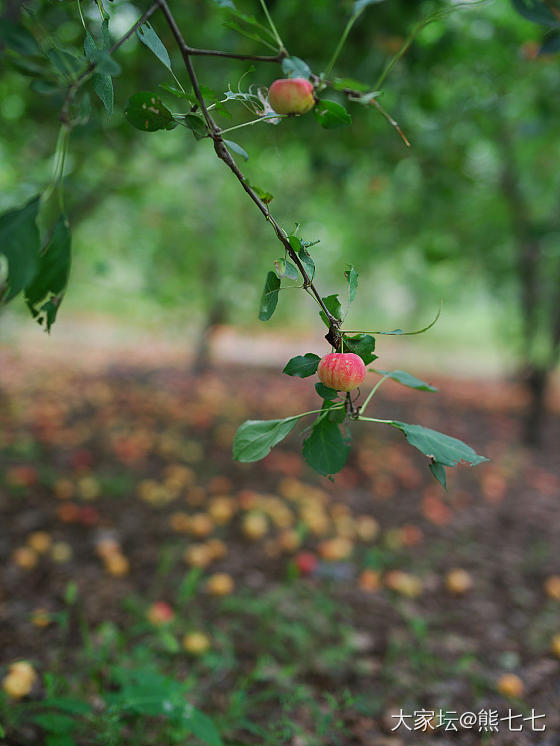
(40, 273)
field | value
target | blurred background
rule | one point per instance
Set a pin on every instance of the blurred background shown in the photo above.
(128, 409)
(166, 241)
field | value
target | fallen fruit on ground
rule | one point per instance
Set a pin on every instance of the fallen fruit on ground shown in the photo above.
(220, 584)
(160, 612)
(458, 581)
(196, 643)
(510, 685)
(19, 680)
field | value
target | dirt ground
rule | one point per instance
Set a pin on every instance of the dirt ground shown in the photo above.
(90, 455)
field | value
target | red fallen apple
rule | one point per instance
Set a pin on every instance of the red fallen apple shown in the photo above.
(341, 371)
(306, 563)
(291, 96)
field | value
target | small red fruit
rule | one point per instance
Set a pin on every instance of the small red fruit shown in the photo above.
(159, 613)
(291, 96)
(306, 563)
(342, 371)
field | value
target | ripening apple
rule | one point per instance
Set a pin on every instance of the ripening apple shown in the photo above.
(341, 371)
(160, 613)
(291, 96)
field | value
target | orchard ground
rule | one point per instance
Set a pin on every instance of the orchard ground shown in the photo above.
(335, 621)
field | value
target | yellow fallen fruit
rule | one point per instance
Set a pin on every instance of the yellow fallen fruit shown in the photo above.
(196, 643)
(552, 587)
(39, 541)
(19, 680)
(220, 584)
(510, 685)
(458, 581)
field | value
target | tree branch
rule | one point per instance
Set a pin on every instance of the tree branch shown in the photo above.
(231, 55)
(223, 154)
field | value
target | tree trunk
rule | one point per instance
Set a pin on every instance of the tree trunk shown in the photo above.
(216, 315)
(536, 382)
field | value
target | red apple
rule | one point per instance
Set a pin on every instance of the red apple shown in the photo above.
(291, 96)
(306, 563)
(342, 371)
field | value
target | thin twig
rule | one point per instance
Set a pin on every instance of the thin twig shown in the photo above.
(231, 55)
(352, 94)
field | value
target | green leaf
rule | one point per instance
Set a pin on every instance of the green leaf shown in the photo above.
(361, 5)
(325, 392)
(67, 704)
(145, 111)
(54, 722)
(103, 87)
(269, 299)
(90, 48)
(249, 27)
(17, 37)
(148, 36)
(362, 345)
(285, 269)
(438, 472)
(64, 62)
(105, 64)
(188, 586)
(537, 12)
(439, 447)
(237, 149)
(169, 641)
(51, 279)
(302, 366)
(401, 376)
(331, 115)
(352, 279)
(71, 593)
(105, 35)
(334, 306)
(203, 728)
(255, 438)
(325, 450)
(341, 83)
(295, 243)
(44, 87)
(307, 261)
(337, 415)
(225, 4)
(262, 194)
(60, 739)
(19, 243)
(293, 67)
(196, 124)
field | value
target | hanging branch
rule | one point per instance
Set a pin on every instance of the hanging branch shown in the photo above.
(223, 154)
